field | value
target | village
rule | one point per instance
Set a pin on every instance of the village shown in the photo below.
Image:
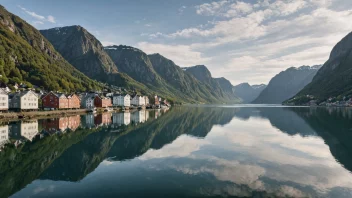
(30, 100)
(19, 132)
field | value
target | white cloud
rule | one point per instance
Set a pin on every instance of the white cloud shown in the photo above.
(40, 19)
(51, 19)
(182, 55)
(181, 9)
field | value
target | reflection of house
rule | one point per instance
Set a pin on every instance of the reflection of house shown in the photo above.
(102, 101)
(55, 124)
(4, 134)
(138, 100)
(4, 100)
(26, 100)
(122, 100)
(103, 119)
(121, 118)
(138, 116)
(74, 122)
(29, 129)
(88, 121)
(61, 124)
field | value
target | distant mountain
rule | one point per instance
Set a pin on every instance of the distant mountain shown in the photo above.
(27, 57)
(335, 77)
(218, 86)
(286, 84)
(82, 50)
(248, 93)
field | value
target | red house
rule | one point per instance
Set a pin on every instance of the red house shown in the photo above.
(103, 119)
(73, 101)
(102, 102)
(55, 101)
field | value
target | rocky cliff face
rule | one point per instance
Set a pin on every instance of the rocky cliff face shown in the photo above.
(248, 93)
(134, 63)
(82, 50)
(335, 77)
(28, 57)
(202, 74)
(286, 84)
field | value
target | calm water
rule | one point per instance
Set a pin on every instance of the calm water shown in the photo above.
(183, 152)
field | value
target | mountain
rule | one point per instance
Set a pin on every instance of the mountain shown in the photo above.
(248, 93)
(164, 77)
(82, 50)
(286, 84)
(335, 77)
(27, 57)
(219, 87)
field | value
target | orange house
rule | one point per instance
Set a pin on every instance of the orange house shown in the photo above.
(73, 101)
(55, 101)
(102, 102)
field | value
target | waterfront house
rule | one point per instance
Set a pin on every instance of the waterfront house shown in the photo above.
(122, 100)
(146, 100)
(26, 129)
(102, 102)
(54, 101)
(138, 100)
(4, 100)
(87, 101)
(73, 101)
(26, 100)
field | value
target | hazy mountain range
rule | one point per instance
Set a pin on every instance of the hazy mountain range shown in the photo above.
(286, 84)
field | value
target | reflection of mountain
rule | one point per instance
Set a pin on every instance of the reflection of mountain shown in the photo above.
(21, 165)
(335, 127)
(82, 158)
(192, 121)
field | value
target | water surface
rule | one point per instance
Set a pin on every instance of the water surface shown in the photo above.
(184, 152)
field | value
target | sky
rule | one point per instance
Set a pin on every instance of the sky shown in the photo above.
(241, 40)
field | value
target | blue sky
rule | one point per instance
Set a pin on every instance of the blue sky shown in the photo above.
(241, 40)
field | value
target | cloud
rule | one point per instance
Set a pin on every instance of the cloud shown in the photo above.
(182, 55)
(40, 19)
(51, 19)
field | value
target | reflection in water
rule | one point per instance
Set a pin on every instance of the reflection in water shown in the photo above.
(193, 151)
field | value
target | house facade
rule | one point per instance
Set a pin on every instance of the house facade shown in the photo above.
(102, 102)
(4, 100)
(29, 129)
(138, 100)
(4, 134)
(54, 101)
(26, 100)
(87, 101)
(122, 100)
(146, 100)
(73, 101)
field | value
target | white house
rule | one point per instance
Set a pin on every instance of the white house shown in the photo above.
(26, 100)
(146, 100)
(87, 101)
(4, 100)
(121, 100)
(138, 100)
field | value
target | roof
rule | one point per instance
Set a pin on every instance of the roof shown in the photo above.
(20, 94)
(2, 91)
